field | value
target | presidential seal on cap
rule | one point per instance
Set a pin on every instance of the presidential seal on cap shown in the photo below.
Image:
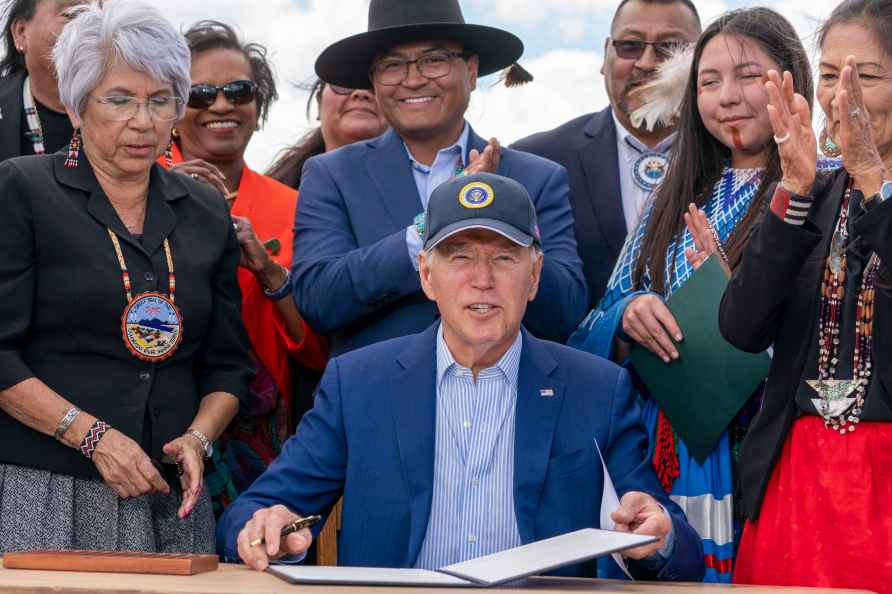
(481, 201)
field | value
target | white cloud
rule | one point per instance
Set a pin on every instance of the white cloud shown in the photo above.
(567, 84)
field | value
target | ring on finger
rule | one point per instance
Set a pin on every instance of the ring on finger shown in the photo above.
(782, 139)
(855, 112)
(193, 175)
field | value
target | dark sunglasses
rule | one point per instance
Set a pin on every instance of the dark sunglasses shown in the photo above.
(632, 49)
(237, 92)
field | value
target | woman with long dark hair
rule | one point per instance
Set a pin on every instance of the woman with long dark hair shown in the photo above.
(815, 283)
(723, 161)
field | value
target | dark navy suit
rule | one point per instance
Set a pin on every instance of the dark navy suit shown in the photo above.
(353, 278)
(586, 147)
(371, 437)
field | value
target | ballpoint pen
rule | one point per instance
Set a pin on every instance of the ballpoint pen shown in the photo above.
(292, 527)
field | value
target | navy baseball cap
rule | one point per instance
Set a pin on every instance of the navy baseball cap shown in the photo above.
(481, 201)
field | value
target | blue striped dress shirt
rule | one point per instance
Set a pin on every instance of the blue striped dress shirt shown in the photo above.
(472, 510)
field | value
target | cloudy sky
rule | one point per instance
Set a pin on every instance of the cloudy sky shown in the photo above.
(563, 38)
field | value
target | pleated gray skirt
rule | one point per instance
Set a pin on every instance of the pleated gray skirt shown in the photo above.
(42, 510)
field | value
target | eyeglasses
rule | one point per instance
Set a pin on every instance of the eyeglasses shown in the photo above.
(632, 49)
(237, 92)
(123, 108)
(393, 71)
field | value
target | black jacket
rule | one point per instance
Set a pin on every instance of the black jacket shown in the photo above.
(772, 299)
(11, 107)
(586, 147)
(61, 300)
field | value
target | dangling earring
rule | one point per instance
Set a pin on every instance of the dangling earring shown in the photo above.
(74, 149)
(168, 154)
(828, 147)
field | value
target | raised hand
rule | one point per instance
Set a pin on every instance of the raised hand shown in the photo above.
(704, 240)
(859, 151)
(791, 121)
(487, 161)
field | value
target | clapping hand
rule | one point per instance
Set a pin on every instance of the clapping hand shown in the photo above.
(791, 121)
(487, 161)
(859, 152)
(705, 244)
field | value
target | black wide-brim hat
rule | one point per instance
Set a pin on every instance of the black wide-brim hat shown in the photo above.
(347, 62)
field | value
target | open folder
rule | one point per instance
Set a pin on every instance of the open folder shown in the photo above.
(491, 570)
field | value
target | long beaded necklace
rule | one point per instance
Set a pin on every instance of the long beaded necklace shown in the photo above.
(841, 402)
(35, 129)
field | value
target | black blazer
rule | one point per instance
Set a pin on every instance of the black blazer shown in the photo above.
(586, 147)
(61, 300)
(11, 107)
(772, 299)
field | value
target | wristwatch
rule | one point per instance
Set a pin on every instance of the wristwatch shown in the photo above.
(871, 202)
(206, 444)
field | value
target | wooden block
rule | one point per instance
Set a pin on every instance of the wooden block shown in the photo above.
(112, 562)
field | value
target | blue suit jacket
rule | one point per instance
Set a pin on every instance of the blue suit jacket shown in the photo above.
(586, 146)
(371, 437)
(353, 278)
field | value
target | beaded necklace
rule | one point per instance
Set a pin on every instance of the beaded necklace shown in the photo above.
(35, 129)
(841, 402)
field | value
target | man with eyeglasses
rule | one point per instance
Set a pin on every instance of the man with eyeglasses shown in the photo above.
(359, 223)
(605, 154)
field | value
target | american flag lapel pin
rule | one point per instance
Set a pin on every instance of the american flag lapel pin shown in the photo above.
(546, 393)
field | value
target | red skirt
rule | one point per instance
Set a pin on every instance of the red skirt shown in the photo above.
(826, 520)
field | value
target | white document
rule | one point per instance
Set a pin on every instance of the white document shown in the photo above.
(491, 570)
(609, 504)
(364, 576)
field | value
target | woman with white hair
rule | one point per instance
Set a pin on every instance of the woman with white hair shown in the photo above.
(122, 351)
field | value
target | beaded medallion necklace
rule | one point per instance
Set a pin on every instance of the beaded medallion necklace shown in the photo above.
(841, 402)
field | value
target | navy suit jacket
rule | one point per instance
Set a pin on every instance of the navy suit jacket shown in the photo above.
(353, 278)
(586, 147)
(371, 438)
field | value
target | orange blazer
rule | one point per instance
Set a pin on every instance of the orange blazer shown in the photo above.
(270, 206)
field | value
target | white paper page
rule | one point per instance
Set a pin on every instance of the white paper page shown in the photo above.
(365, 576)
(609, 504)
(545, 555)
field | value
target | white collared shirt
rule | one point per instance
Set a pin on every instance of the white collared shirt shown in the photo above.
(472, 506)
(628, 150)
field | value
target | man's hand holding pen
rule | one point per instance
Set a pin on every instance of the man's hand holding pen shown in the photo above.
(266, 525)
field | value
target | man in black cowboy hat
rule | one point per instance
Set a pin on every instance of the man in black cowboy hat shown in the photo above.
(358, 226)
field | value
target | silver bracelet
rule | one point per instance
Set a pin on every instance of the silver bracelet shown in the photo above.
(66, 422)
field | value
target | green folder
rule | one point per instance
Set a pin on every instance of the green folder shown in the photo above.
(701, 391)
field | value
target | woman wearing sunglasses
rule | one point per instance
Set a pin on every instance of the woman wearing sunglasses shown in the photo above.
(232, 90)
